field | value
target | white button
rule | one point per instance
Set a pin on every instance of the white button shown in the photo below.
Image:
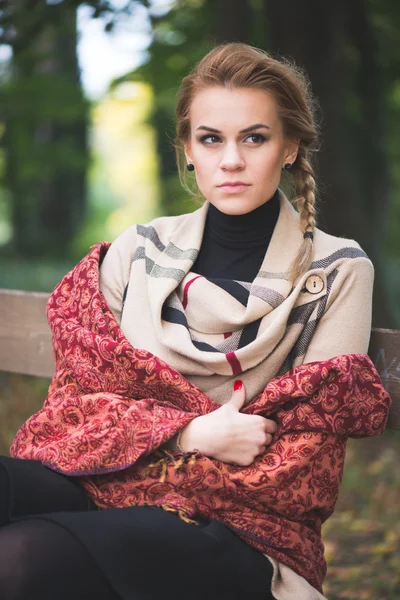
(314, 284)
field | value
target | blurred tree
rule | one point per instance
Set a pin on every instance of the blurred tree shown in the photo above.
(45, 130)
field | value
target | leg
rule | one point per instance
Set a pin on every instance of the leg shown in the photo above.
(40, 559)
(145, 552)
(148, 553)
(29, 488)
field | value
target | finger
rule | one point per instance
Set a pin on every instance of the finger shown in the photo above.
(239, 395)
(262, 449)
(268, 439)
(270, 426)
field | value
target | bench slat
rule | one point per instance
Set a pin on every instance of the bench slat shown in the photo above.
(384, 350)
(25, 338)
(25, 344)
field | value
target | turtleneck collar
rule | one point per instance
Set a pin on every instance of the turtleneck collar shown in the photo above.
(252, 229)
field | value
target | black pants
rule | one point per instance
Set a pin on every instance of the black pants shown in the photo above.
(56, 545)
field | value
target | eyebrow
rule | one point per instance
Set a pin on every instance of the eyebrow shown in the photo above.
(251, 128)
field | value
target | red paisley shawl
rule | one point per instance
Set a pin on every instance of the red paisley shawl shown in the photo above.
(111, 407)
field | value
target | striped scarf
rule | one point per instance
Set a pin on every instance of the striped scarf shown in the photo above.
(215, 330)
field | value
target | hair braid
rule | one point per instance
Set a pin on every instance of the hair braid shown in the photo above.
(305, 187)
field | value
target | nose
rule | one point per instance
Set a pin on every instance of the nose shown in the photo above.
(232, 158)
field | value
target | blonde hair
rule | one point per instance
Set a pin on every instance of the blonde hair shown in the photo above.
(238, 65)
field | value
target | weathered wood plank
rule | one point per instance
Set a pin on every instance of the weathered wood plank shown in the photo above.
(25, 340)
(25, 344)
(384, 350)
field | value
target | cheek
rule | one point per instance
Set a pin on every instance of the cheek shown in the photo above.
(268, 167)
(272, 162)
(200, 170)
(204, 169)
(203, 179)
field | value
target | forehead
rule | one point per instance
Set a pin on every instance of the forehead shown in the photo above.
(221, 107)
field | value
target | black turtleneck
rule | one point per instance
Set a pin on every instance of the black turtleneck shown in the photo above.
(234, 246)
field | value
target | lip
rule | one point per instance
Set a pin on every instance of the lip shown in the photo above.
(233, 183)
(233, 188)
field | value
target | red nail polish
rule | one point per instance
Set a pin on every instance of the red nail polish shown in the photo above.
(238, 385)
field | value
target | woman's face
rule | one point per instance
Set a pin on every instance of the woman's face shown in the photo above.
(222, 151)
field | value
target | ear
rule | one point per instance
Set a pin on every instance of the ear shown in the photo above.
(291, 150)
(188, 152)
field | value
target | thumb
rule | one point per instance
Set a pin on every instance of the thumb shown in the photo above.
(239, 395)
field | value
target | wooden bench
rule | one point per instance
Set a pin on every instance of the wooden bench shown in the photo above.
(25, 344)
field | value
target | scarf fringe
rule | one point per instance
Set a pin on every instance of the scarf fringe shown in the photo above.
(169, 458)
(181, 512)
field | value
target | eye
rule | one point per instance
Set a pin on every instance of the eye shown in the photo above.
(260, 138)
(206, 137)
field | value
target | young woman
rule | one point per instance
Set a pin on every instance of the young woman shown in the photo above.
(231, 296)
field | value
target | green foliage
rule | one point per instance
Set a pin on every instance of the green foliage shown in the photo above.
(40, 275)
(32, 107)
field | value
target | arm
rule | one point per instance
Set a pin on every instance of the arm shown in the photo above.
(95, 433)
(345, 326)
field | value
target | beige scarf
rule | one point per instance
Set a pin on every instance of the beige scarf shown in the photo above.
(214, 332)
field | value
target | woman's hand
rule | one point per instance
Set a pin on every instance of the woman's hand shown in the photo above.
(227, 434)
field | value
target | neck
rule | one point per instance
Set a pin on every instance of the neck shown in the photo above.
(251, 229)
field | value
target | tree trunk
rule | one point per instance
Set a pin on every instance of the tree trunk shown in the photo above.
(45, 136)
(232, 21)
